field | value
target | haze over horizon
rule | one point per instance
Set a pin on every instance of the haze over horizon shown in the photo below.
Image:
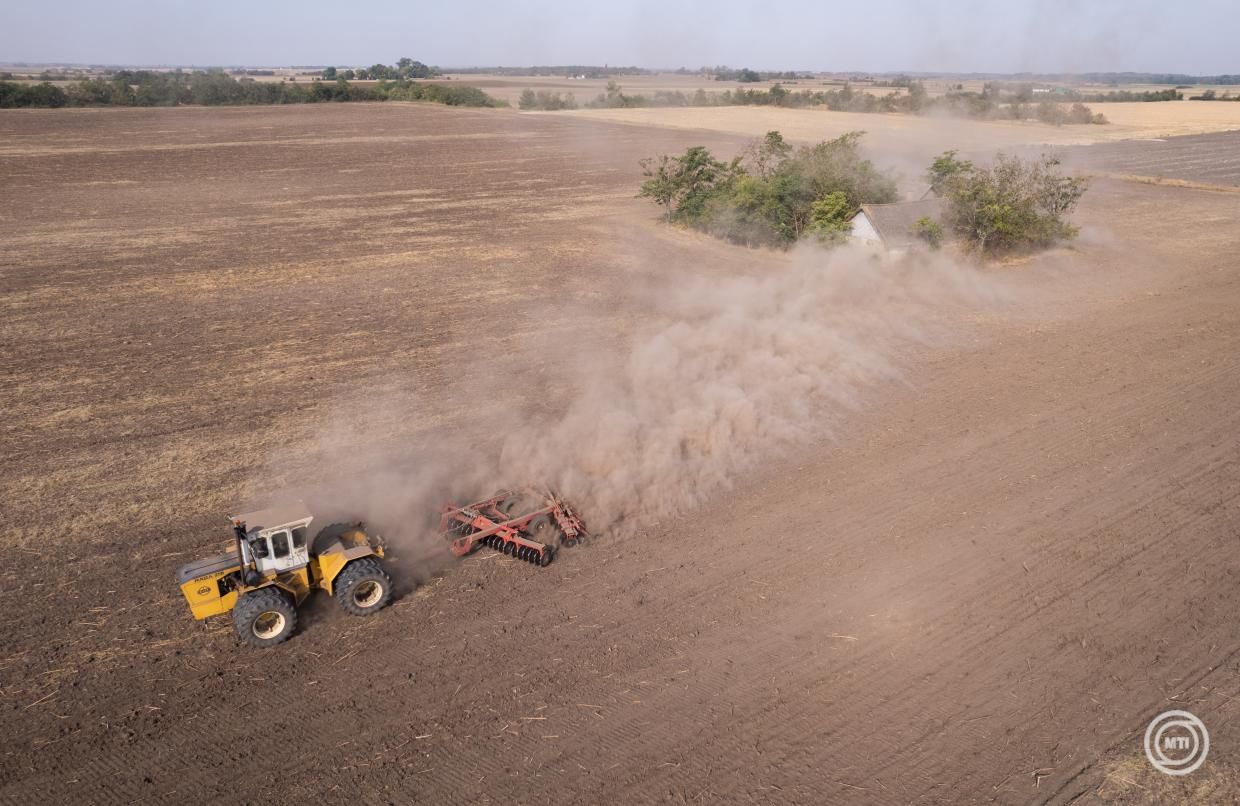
(957, 36)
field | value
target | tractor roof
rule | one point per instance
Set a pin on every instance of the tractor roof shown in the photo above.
(277, 515)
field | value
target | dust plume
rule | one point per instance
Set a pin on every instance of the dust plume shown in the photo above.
(738, 372)
(722, 375)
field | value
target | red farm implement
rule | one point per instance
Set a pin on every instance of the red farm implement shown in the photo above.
(527, 524)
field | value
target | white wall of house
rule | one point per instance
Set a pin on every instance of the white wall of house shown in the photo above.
(863, 229)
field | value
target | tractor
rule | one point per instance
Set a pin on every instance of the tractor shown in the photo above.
(272, 567)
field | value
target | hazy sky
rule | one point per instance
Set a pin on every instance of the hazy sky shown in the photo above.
(873, 35)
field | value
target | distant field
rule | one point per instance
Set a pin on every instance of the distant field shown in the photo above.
(1203, 159)
(1166, 119)
(928, 135)
(509, 87)
(907, 142)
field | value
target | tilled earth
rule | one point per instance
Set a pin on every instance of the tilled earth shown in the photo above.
(1212, 159)
(982, 590)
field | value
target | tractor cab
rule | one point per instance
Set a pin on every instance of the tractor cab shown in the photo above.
(275, 540)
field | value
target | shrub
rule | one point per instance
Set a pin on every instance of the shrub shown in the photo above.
(945, 170)
(929, 231)
(547, 101)
(1015, 204)
(684, 184)
(14, 95)
(830, 217)
(614, 98)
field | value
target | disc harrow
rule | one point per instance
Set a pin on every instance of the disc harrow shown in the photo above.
(527, 524)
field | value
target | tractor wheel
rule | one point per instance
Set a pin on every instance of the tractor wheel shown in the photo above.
(265, 617)
(363, 587)
(545, 531)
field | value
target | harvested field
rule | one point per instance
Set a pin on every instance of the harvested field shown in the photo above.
(927, 136)
(1013, 553)
(1211, 159)
(586, 89)
(1167, 118)
(895, 136)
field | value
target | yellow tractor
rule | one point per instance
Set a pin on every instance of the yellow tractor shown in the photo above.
(273, 567)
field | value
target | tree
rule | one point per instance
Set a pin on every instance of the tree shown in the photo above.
(945, 170)
(684, 184)
(46, 94)
(917, 96)
(831, 217)
(527, 100)
(329, 73)
(766, 155)
(1015, 204)
(929, 231)
(838, 165)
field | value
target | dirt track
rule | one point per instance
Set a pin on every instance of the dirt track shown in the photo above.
(983, 591)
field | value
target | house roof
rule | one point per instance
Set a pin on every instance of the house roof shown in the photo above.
(894, 222)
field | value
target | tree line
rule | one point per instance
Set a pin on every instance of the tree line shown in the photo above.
(565, 70)
(1212, 95)
(215, 88)
(981, 106)
(1122, 96)
(405, 68)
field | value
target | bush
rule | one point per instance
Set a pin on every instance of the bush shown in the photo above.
(14, 95)
(945, 170)
(1016, 204)
(830, 218)
(614, 98)
(435, 93)
(773, 195)
(929, 231)
(683, 185)
(547, 101)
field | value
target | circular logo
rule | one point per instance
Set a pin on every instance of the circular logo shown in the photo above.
(204, 590)
(1176, 742)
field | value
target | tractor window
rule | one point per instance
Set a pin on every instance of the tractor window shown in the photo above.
(299, 537)
(258, 545)
(279, 544)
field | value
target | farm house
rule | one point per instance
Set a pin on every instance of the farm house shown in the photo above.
(891, 226)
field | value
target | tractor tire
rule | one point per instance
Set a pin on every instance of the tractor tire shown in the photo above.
(544, 530)
(363, 587)
(265, 617)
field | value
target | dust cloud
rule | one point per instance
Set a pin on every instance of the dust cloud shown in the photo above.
(722, 375)
(737, 372)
